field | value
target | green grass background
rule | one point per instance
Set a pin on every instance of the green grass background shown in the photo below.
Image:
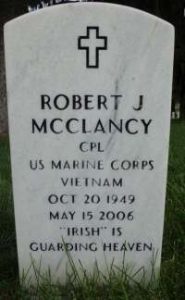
(172, 281)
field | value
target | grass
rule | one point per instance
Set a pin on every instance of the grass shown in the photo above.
(172, 281)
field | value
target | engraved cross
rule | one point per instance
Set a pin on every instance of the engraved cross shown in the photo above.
(92, 43)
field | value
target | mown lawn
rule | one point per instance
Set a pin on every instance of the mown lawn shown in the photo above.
(172, 282)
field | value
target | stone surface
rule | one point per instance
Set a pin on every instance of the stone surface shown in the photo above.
(89, 97)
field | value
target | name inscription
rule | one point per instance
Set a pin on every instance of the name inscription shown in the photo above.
(88, 102)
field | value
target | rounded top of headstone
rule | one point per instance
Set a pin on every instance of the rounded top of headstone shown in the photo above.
(86, 8)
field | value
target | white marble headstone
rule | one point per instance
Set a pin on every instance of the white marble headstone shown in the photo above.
(89, 98)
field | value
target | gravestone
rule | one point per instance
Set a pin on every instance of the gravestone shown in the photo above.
(89, 97)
